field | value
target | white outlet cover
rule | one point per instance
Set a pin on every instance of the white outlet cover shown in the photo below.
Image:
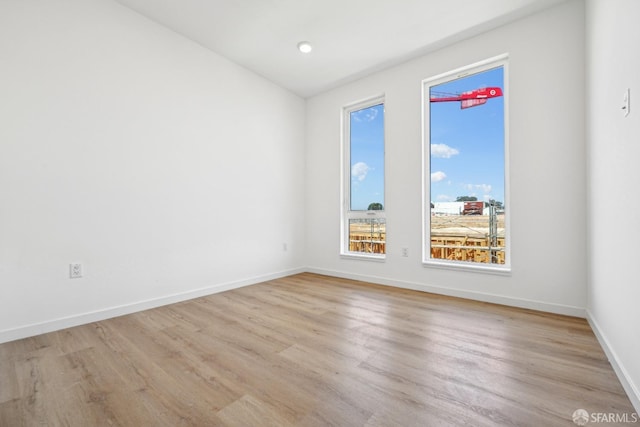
(75, 270)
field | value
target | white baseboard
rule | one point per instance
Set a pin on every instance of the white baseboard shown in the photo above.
(80, 319)
(567, 310)
(95, 316)
(630, 388)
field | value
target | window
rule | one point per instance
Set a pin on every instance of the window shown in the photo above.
(465, 163)
(363, 216)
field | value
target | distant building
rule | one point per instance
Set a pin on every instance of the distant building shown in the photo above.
(447, 208)
(459, 208)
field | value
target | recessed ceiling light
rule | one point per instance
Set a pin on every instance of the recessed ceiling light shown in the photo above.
(305, 47)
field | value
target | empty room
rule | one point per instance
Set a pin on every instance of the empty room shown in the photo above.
(314, 213)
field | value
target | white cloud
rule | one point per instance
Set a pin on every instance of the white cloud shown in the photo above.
(359, 171)
(445, 198)
(485, 188)
(366, 115)
(443, 151)
(438, 176)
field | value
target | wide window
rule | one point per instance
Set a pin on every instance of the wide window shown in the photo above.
(465, 158)
(363, 216)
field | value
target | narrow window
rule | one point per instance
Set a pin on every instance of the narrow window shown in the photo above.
(465, 146)
(363, 216)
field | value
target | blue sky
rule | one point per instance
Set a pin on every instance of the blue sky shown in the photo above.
(467, 146)
(367, 157)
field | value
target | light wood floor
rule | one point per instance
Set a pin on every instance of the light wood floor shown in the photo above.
(311, 350)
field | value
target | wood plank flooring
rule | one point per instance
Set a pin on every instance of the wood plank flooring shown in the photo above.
(310, 350)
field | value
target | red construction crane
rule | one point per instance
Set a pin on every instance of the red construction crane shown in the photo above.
(468, 99)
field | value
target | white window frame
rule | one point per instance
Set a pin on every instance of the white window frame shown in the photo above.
(488, 64)
(346, 213)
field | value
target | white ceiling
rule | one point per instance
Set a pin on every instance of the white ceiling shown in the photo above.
(351, 38)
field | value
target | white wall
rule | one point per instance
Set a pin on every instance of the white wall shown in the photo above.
(613, 65)
(547, 165)
(166, 170)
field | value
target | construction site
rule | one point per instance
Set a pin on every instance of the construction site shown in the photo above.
(471, 238)
(474, 238)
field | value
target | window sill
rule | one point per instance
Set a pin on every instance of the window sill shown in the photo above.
(363, 257)
(468, 267)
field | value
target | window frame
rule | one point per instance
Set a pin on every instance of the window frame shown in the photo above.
(458, 73)
(346, 214)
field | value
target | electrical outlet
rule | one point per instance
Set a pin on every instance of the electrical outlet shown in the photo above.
(405, 252)
(75, 270)
(284, 247)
